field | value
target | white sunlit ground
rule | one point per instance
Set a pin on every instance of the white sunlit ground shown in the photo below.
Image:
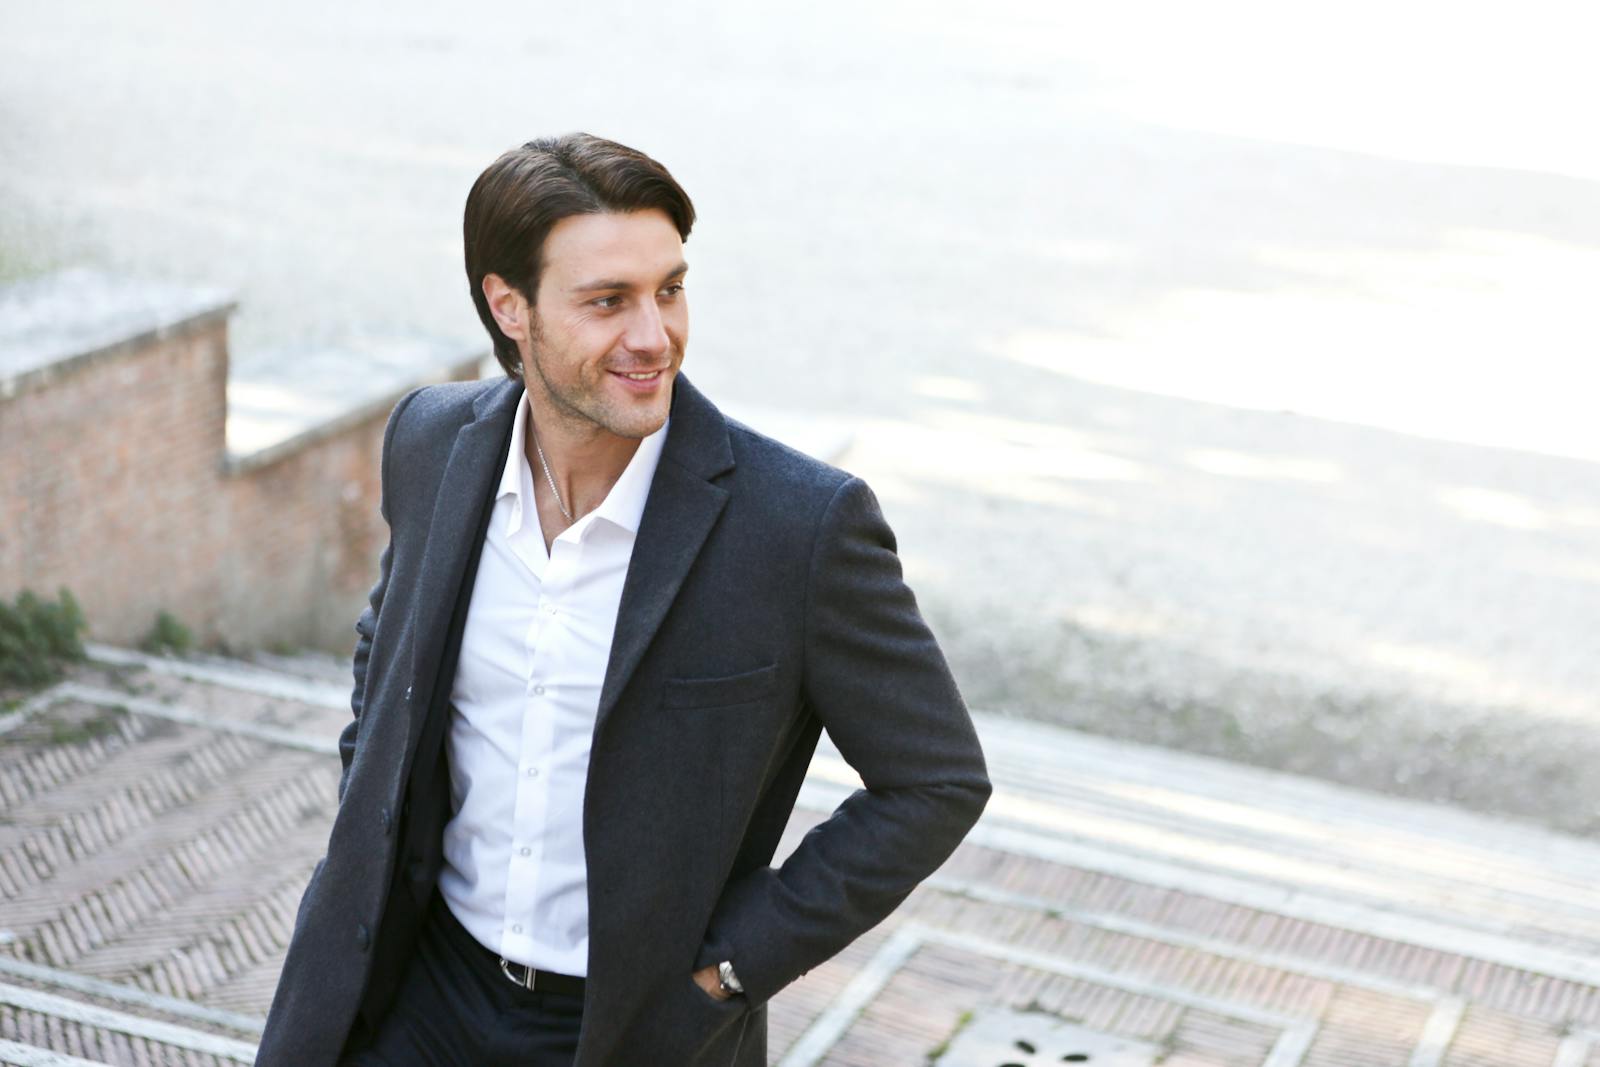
(1226, 371)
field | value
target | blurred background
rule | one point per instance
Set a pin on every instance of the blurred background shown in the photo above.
(1225, 370)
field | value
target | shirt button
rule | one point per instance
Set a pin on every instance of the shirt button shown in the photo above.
(527, 851)
(550, 609)
(533, 772)
(516, 929)
(539, 690)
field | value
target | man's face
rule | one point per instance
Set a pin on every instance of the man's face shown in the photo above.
(609, 322)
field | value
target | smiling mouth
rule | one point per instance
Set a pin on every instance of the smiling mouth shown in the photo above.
(641, 382)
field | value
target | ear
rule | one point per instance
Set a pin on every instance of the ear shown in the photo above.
(509, 307)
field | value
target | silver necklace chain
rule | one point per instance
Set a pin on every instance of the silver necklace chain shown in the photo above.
(550, 478)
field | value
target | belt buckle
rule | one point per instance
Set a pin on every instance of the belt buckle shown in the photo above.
(526, 981)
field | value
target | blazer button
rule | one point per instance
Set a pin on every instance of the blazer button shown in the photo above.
(388, 822)
(363, 937)
(408, 692)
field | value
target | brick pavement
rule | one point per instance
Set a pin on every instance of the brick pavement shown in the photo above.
(1118, 906)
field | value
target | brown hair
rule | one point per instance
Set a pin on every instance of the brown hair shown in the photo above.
(520, 196)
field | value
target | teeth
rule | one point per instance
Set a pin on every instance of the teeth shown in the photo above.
(642, 377)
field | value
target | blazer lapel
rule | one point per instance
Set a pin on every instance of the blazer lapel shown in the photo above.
(682, 507)
(476, 460)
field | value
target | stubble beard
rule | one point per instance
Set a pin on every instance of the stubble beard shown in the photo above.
(586, 411)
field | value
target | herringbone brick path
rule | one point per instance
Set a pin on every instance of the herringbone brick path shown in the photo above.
(158, 822)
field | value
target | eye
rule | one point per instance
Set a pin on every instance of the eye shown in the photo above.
(672, 290)
(607, 302)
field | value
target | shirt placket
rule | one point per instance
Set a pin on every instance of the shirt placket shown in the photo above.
(546, 653)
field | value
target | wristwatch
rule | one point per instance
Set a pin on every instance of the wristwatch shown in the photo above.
(728, 980)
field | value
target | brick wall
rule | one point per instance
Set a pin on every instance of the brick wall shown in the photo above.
(114, 482)
(303, 544)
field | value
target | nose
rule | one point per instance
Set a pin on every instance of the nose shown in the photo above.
(646, 334)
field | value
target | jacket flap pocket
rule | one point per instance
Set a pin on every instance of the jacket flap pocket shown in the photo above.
(719, 692)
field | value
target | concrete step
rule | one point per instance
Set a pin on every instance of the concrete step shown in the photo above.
(159, 817)
(279, 398)
(1415, 872)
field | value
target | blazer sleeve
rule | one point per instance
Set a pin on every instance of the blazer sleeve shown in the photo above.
(367, 624)
(874, 675)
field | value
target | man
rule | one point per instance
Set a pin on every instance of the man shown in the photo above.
(608, 628)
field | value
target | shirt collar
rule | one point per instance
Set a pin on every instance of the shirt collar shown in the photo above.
(623, 505)
(515, 476)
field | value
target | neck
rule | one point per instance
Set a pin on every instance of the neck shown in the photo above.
(584, 459)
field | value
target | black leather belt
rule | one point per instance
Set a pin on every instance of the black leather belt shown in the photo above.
(516, 973)
(542, 981)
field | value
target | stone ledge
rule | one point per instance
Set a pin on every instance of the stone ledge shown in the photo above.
(283, 400)
(60, 322)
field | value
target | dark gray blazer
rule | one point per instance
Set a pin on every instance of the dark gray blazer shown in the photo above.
(764, 603)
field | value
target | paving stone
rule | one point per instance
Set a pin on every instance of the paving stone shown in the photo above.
(1005, 1038)
(164, 850)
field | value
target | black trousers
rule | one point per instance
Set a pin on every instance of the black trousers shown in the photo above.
(456, 1009)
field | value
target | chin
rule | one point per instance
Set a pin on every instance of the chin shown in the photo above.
(636, 425)
(646, 427)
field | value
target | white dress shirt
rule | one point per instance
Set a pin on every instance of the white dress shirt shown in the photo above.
(533, 657)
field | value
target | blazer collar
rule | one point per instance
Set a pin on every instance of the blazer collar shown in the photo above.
(455, 532)
(698, 440)
(683, 506)
(497, 402)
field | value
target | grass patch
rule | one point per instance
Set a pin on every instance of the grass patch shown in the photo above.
(167, 634)
(38, 637)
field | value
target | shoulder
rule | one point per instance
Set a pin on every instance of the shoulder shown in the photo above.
(421, 432)
(426, 419)
(799, 500)
(780, 472)
(441, 406)
(766, 479)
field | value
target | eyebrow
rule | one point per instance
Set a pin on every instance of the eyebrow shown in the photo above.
(616, 283)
